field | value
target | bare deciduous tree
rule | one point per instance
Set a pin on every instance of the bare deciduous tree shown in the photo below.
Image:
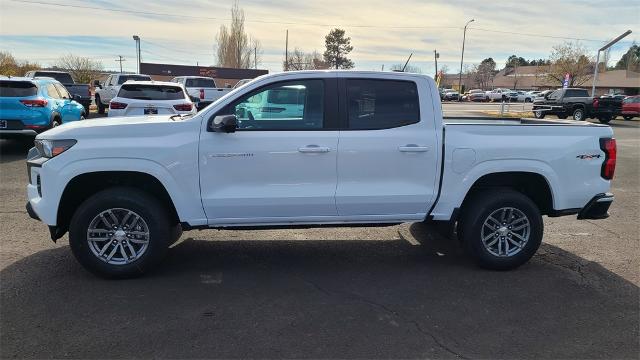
(11, 67)
(235, 48)
(82, 69)
(410, 68)
(299, 60)
(573, 59)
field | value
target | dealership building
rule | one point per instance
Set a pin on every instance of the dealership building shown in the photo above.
(225, 77)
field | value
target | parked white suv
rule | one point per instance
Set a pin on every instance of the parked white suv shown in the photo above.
(138, 98)
(363, 148)
(109, 89)
(202, 90)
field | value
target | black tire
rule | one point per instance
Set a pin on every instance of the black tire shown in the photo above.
(578, 114)
(86, 112)
(154, 217)
(627, 117)
(56, 122)
(539, 114)
(100, 105)
(527, 100)
(472, 228)
(562, 116)
(604, 119)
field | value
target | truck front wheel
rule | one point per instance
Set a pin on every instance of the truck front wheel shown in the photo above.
(120, 232)
(604, 119)
(501, 229)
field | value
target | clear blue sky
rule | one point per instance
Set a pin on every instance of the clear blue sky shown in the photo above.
(382, 32)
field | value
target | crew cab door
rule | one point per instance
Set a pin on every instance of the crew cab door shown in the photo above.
(279, 166)
(387, 157)
(109, 89)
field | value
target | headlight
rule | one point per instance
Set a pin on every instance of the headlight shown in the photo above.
(52, 148)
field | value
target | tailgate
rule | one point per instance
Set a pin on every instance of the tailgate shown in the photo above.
(213, 94)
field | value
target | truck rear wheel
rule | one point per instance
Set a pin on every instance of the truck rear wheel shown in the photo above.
(99, 105)
(538, 114)
(501, 229)
(604, 119)
(120, 232)
(578, 114)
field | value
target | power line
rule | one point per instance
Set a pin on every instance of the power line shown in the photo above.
(297, 23)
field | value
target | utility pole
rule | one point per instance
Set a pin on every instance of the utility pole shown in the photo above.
(120, 60)
(255, 56)
(464, 35)
(435, 57)
(608, 45)
(286, 52)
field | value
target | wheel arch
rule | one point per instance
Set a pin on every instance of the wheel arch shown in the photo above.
(84, 185)
(532, 184)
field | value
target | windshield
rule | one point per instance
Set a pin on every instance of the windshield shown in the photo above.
(62, 77)
(201, 83)
(17, 89)
(124, 78)
(151, 92)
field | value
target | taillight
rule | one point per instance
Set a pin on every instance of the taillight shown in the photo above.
(183, 107)
(34, 103)
(609, 165)
(117, 105)
(596, 103)
(201, 94)
(34, 127)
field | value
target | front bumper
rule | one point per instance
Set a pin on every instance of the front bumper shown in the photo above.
(597, 207)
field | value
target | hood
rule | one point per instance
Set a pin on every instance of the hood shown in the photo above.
(115, 127)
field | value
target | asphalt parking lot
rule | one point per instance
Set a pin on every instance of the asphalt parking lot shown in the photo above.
(329, 293)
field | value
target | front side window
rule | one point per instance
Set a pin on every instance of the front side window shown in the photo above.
(382, 104)
(290, 105)
(554, 95)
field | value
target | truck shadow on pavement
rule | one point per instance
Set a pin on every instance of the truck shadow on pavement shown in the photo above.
(319, 299)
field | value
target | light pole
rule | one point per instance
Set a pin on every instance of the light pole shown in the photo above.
(608, 45)
(435, 57)
(137, 40)
(464, 35)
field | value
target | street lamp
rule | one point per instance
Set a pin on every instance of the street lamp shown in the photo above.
(137, 40)
(464, 35)
(608, 45)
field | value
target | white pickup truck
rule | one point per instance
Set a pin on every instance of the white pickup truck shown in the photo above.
(331, 148)
(202, 90)
(106, 91)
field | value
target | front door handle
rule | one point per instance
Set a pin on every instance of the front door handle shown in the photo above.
(314, 149)
(413, 148)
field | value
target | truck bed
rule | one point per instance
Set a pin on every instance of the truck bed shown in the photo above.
(462, 120)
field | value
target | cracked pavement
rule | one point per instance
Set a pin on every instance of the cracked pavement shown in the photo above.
(328, 293)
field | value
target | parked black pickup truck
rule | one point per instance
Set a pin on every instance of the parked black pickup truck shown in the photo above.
(577, 103)
(81, 90)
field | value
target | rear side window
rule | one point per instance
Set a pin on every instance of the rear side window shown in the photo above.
(17, 89)
(53, 92)
(382, 104)
(151, 92)
(201, 83)
(576, 93)
(124, 78)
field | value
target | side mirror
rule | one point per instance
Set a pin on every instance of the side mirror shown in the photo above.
(223, 123)
(75, 97)
(96, 83)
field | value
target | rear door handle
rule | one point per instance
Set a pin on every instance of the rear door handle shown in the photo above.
(413, 148)
(314, 149)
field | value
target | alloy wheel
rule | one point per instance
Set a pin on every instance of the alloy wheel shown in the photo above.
(118, 236)
(505, 232)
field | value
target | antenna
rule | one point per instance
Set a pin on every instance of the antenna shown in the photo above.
(407, 63)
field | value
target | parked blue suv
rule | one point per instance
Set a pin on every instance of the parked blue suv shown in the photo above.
(31, 106)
